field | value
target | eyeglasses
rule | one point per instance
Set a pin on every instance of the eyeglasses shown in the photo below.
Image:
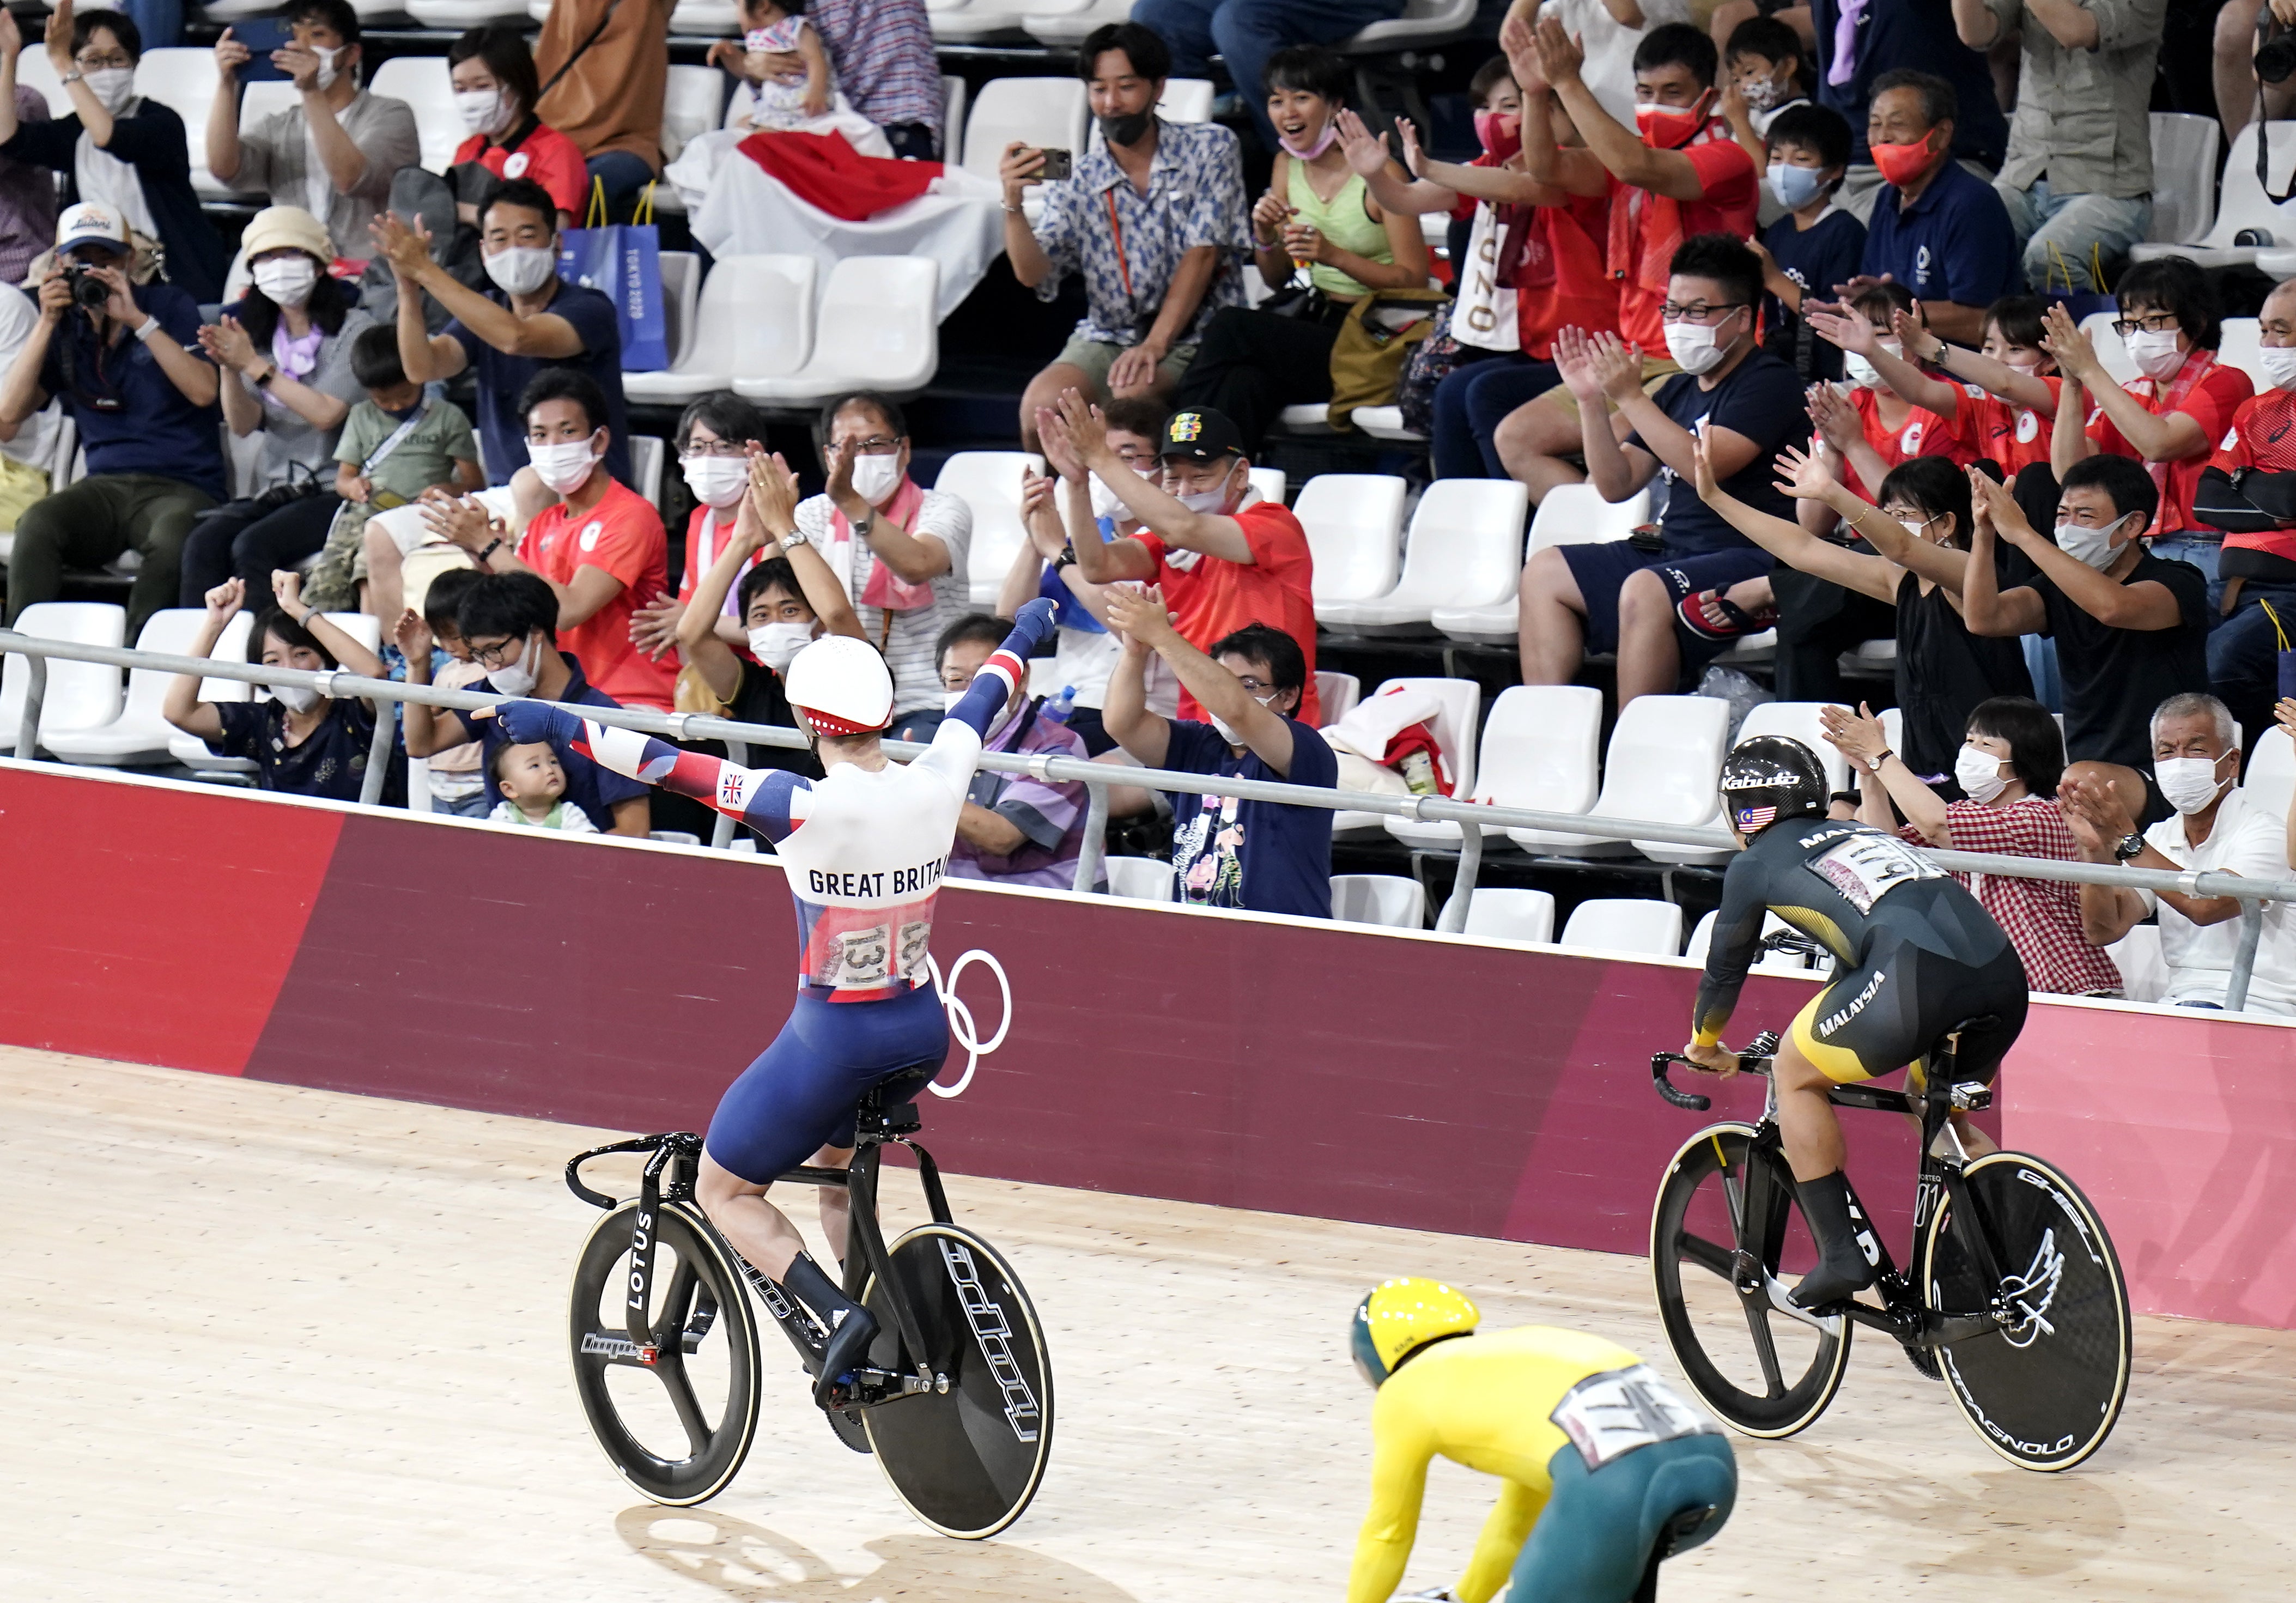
(501, 653)
(1698, 311)
(2151, 323)
(1255, 688)
(876, 445)
(104, 63)
(718, 448)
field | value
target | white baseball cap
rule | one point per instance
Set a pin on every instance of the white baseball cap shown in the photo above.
(88, 223)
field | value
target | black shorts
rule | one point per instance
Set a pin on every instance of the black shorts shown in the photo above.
(1884, 1015)
(1599, 569)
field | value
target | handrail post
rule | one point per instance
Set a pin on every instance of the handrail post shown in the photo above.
(36, 691)
(2244, 959)
(1453, 919)
(1091, 858)
(378, 751)
(721, 838)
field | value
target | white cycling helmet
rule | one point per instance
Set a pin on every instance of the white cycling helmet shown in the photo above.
(841, 684)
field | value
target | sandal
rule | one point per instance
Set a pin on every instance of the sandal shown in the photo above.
(1697, 612)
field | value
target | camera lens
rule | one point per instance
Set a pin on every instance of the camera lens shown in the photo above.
(88, 290)
(2276, 59)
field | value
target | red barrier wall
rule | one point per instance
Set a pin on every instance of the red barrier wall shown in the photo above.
(1408, 1079)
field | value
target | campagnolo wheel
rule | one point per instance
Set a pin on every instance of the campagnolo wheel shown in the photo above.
(677, 1429)
(966, 1461)
(1761, 1371)
(2046, 1390)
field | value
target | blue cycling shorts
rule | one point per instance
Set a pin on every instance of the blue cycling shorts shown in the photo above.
(800, 1094)
(1594, 1539)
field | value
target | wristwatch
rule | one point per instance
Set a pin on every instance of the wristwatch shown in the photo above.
(1066, 559)
(863, 524)
(493, 545)
(2128, 846)
(73, 77)
(270, 373)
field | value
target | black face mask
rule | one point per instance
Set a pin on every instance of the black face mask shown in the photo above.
(1126, 130)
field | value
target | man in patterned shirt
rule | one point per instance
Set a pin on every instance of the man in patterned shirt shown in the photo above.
(1153, 217)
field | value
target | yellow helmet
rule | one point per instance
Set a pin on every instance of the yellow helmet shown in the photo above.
(1400, 1316)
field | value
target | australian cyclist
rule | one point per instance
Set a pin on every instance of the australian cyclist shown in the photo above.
(1913, 955)
(1604, 1468)
(864, 849)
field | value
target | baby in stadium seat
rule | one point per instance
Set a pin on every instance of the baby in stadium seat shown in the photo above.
(534, 790)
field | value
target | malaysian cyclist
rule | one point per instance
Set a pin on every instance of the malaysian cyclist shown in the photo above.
(1913, 955)
(1605, 1471)
(864, 848)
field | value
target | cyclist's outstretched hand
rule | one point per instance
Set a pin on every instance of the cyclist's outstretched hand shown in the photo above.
(1035, 619)
(1715, 1059)
(528, 723)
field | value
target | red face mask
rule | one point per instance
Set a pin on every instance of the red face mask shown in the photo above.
(1901, 164)
(1500, 133)
(1667, 127)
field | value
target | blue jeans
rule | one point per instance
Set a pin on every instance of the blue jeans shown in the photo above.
(1469, 405)
(1247, 32)
(2201, 551)
(623, 174)
(2244, 654)
(2058, 230)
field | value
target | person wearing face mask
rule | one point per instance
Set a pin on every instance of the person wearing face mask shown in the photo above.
(1014, 829)
(116, 149)
(600, 546)
(2216, 827)
(2171, 416)
(302, 742)
(1620, 596)
(1858, 43)
(716, 436)
(1675, 175)
(529, 321)
(2131, 629)
(126, 365)
(1896, 430)
(334, 152)
(1762, 73)
(1318, 214)
(2248, 492)
(509, 626)
(1264, 857)
(2007, 768)
(286, 350)
(2001, 398)
(1223, 558)
(495, 91)
(1935, 227)
(1815, 244)
(1151, 217)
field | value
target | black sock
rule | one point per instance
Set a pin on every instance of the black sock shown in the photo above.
(1839, 1224)
(804, 1280)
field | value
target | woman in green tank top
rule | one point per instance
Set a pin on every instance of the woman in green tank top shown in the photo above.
(1316, 220)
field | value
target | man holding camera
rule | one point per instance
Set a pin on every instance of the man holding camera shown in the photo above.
(125, 360)
(2255, 61)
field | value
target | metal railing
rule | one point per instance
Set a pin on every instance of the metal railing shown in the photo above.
(1098, 776)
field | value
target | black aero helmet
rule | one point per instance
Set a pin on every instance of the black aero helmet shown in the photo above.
(1771, 778)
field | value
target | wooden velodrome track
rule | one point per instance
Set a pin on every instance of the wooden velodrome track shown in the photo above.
(280, 1343)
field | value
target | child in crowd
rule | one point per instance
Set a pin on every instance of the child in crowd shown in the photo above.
(1762, 75)
(806, 103)
(302, 742)
(1889, 428)
(456, 784)
(397, 443)
(533, 788)
(1815, 244)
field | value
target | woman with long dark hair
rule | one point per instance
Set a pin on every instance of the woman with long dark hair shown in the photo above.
(285, 353)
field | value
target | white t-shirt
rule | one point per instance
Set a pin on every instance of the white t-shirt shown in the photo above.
(908, 640)
(35, 437)
(1609, 43)
(2247, 840)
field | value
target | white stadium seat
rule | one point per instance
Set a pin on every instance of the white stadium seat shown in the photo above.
(1384, 898)
(877, 329)
(681, 294)
(1186, 100)
(423, 83)
(1571, 515)
(1385, 423)
(1354, 533)
(1337, 693)
(2243, 339)
(2144, 972)
(179, 78)
(647, 455)
(1140, 878)
(753, 320)
(2185, 176)
(1268, 483)
(1459, 707)
(710, 18)
(139, 735)
(33, 70)
(462, 14)
(693, 102)
(1701, 940)
(1665, 751)
(1538, 751)
(263, 98)
(1630, 926)
(189, 750)
(2110, 352)
(1798, 720)
(1466, 550)
(1505, 913)
(2271, 777)
(2242, 205)
(962, 22)
(1046, 112)
(1064, 23)
(989, 483)
(78, 695)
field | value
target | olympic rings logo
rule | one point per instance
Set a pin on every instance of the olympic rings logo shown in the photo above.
(961, 1026)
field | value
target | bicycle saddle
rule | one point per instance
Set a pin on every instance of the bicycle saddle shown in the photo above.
(890, 1107)
(1948, 1038)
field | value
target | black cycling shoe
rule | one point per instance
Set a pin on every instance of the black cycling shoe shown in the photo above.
(1848, 1255)
(848, 1351)
(1833, 1280)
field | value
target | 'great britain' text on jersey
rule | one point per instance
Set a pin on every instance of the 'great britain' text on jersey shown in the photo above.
(906, 882)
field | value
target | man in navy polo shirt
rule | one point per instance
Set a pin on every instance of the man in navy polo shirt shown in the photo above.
(1937, 228)
(1860, 42)
(509, 623)
(125, 360)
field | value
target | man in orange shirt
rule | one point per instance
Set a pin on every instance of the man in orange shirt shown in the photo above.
(1222, 563)
(601, 548)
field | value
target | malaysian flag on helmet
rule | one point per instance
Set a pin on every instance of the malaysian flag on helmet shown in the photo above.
(1751, 818)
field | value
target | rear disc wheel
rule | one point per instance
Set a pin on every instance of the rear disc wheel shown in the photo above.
(1763, 1372)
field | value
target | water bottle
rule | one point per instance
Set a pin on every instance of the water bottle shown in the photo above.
(1057, 709)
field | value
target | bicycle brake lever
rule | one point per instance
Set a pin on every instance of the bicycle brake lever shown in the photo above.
(1691, 1100)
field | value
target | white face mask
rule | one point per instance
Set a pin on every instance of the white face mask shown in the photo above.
(2094, 547)
(484, 110)
(1862, 372)
(2189, 783)
(325, 76)
(516, 678)
(1106, 504)
(717, 481)
(1221, 724)
(775, 643)
(287, 280)
(2279, 364)
(1978, 774)
(1695, 348)
(2155, 351)
(1211, 500)
(302, 698)
(521, 269)
(565, 465)
(876, 478)
(112, 87)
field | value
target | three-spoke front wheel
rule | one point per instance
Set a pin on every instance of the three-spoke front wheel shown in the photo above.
(1728, 1223)
(677, 1428)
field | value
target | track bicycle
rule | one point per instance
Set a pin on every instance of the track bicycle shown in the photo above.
(2015, 1296)
(955, 1397)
